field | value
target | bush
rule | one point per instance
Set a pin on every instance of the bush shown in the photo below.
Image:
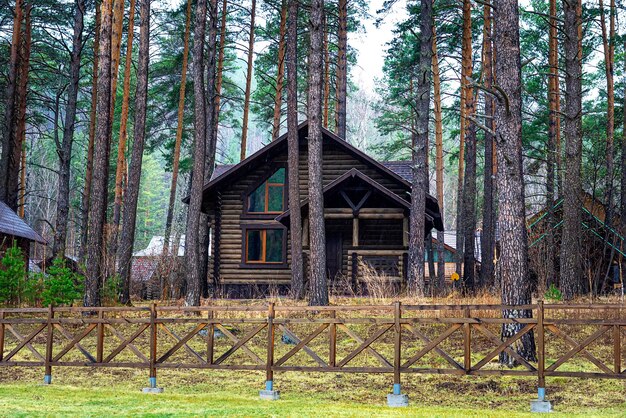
(553, 293)
(61, 286)
(12, 276)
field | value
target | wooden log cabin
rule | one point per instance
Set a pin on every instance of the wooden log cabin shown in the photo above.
(366, 205)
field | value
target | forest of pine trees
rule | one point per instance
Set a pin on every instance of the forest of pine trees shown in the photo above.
(512, 114)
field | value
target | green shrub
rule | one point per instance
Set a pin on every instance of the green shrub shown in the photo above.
(110, 291)
(12, 276)
(553, 293)
(61, 286)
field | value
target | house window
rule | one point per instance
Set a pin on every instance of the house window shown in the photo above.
(269, 197)
(264, 246)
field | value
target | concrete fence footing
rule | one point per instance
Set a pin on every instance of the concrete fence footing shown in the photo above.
(269, 394)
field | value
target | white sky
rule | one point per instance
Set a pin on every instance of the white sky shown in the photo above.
(371, 44)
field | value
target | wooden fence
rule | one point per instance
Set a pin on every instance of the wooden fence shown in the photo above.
(571, 340)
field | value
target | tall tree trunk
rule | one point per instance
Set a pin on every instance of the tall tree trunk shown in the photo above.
(466, 65)
(278, 100)
(293, 146)
(553, 150)
(117, 25)
(219, 76)
(121, 146)
(326, 73)
(608, 43)
(317, 240)
(139, 135)
(419, 185)
(623, 185)
(65, 150)
(211, 141)
(246, 103)
(441, 264)
(9, 111)
(513, 265)
(192, 244)
(467, 214)
(488, 239)
(102, 146)
(179, 134)
(15, 158)
(92, 135)
(342, 68)
(571, 268)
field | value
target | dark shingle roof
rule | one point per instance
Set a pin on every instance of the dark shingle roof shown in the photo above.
(401, 168)
(220, 169)
(11, 224)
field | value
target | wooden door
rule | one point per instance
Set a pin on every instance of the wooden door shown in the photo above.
(334, 252)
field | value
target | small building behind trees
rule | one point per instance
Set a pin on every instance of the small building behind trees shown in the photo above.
(15, 231)
(366, 211)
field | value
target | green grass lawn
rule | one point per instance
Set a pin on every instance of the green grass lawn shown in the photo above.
(108, 392)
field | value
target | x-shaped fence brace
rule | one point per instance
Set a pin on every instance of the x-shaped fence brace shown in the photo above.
(123, 334)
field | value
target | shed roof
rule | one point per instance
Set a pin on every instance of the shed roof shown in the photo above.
(11, 224)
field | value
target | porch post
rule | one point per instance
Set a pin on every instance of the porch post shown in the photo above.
(305, 232)
(405, 231)
(355, 231)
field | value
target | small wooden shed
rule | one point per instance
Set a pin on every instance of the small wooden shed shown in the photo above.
(14, 229)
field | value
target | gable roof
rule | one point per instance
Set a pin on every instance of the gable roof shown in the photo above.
(11, 224)
(351, 174)
(402, 176)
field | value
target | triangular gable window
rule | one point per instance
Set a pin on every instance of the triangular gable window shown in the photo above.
(269, 197)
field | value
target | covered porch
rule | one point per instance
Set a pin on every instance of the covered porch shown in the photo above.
(367, 229)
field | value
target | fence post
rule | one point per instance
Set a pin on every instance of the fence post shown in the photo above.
(467, 341)
(210, 337)
(100, 338)
(1, 335)
(47, 378)
(541, 404)
(153, 353)
(617, 350)
(269, 393)
(332, 356)
(397, 398)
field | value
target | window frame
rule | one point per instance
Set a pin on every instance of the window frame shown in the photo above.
(269, 172)
(263, 227)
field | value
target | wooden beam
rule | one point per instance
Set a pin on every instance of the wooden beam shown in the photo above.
(355, 232)
(405, 231)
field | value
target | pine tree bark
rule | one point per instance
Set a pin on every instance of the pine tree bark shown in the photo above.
(211, 141)
(9, 116)
(571, 268)
(122, 137)
(467, 203)
(293, 153)
(342, 68)
(553, 151)
(192, 244)
(102, 145)
(65, 150)
(317, 240)
(117, 26)
(608, 44)
(278, 100)
(92, 135)
(139, 134)
(488, 238)
(513, 264)
(15, 158)
(419, 185)
(246, 102)
(441, 264)
(466, 93)
(179, 134)
(623, 185)
(219, 76)
(326, 74)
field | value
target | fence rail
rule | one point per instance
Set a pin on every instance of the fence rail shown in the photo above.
(571, 340)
